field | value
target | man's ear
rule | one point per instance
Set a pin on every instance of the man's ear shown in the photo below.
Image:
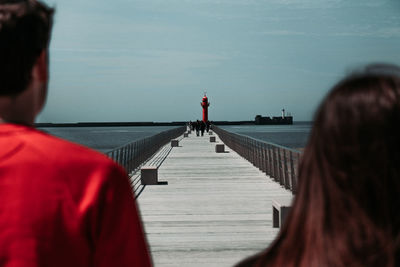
(40, 70)
(40, 77)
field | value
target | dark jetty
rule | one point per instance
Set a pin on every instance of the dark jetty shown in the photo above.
(259, 120)
(109, 124)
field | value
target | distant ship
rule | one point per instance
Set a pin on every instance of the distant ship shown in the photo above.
(284, 119)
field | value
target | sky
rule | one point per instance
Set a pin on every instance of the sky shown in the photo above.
(153, 60)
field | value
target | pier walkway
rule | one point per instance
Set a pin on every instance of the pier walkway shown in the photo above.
(215, 210)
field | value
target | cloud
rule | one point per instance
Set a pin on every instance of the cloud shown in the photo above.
(392, 32)
(86, 50)
(325, 4)
(306, 3)
(355, 31)
(141, 68)
(306, 71)
(283, 33)
(167, 61)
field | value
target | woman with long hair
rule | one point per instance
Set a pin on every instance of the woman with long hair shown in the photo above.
(347, 208)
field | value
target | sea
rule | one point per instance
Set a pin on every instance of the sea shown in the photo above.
(293, 136)
(105, 139)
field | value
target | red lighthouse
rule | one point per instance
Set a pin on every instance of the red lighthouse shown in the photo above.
(205, 105)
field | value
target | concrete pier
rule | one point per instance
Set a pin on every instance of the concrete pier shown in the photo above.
(215, 210)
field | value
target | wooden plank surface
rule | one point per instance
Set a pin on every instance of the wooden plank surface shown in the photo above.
(215, 210)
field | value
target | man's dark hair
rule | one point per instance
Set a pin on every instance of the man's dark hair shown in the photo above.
(25, 29)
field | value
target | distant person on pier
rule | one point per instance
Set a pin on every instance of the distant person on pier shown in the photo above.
(197, 128)
(193, 126)
(347, 208)
(202, 127)
(208, 124)
(61, 204)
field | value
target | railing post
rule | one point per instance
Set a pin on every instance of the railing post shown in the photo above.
(268, 160)
(143, 151)
(261, 157)
(117, 156)
(135, 155)
(296, 174)
(130, 158)
(286, 172)
(276, 169)
(281, 181)
(264, 159)
(121, 157)
(255, 149)
(291, 170)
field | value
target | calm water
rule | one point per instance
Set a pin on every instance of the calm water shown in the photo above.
(293, 136)
(105, 138)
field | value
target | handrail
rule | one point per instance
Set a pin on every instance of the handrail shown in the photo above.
(279, 162)
(132, 155)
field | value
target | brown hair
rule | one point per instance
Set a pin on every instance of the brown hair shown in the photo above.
(25, 29)
(347, 208)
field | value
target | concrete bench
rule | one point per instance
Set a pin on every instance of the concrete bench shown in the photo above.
(212, 139)
(174, 143)
(210, 133)
(220, 148)
(149, 175)
(280, 209)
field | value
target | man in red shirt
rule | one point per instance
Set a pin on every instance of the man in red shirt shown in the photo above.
(60, 204)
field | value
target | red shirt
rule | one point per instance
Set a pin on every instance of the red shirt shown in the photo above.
(62, 204)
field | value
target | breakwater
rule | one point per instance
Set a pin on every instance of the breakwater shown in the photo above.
(109, 124)
(150, 123)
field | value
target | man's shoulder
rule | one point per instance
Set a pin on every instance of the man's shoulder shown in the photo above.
(72, 151)
(37, 153)
(57, 150)
(74, 158)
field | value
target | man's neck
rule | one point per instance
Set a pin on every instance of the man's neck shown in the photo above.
(18, 109)
(2, 121)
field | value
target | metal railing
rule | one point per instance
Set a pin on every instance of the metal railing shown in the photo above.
(132, 155)
(279, 162)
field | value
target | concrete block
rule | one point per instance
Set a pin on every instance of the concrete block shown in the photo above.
(280, 209)
(174, 143)
(185, 135)
(220, 148)
(149, 175)
(212, 139)
(210, 133)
